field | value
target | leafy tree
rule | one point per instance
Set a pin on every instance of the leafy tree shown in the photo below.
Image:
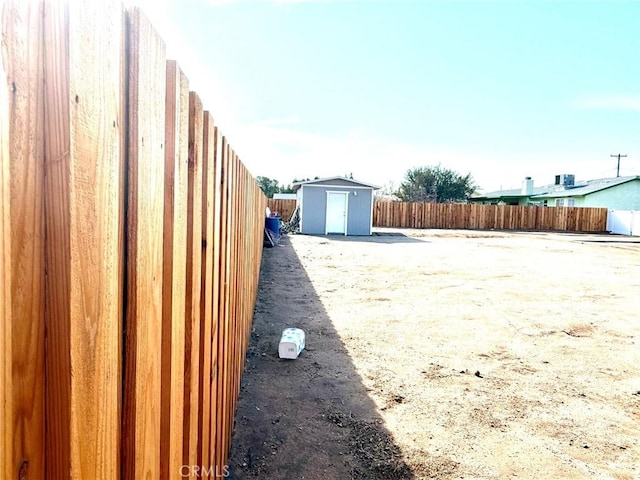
(435, 184)
(287, 189)
(268, 185)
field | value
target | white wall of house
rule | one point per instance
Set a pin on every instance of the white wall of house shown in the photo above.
(620, 197)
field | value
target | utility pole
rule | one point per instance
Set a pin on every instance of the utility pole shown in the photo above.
(614, 156)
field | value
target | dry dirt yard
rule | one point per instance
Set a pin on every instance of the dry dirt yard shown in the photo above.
(445, 354)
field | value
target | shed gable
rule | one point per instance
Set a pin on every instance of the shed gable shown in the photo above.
(338, 182)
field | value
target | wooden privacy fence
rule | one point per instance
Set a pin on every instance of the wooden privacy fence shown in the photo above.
(476, 216)
(130, 245)
(488, 217)
(284, 207)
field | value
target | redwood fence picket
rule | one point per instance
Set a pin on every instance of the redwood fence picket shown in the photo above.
(475, 216)
(132, 234)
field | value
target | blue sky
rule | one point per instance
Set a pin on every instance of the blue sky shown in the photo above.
(500, 89)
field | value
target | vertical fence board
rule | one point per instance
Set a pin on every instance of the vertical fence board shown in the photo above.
(215, 292)
(83, 213)
(206, 305)
(229, 302)
(232, 311)
(233, 289)
(247, 312)
(22, 27)
(193, 284)
(215, 287)
(145, 215)
(223, 368)
(57, 249)
(235, 318)
(6, 388)
(237, 260)
(174, 270)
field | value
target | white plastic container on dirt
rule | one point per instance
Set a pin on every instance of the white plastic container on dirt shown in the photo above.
(291, 343)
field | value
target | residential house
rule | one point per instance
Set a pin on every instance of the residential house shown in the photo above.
(619, 193)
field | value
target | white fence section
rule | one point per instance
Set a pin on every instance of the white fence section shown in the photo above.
(624, 222)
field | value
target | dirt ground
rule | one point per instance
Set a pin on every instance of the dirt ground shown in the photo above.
(445, 354)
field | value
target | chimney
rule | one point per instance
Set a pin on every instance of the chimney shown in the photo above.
(527, 186)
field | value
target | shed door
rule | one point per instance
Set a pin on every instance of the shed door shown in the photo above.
(337, 212)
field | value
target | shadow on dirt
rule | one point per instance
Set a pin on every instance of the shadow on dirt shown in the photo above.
(311, 417)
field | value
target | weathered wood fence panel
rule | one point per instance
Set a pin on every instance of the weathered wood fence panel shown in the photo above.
(132, 234)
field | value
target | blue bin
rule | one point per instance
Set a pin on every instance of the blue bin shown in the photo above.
(273, 224)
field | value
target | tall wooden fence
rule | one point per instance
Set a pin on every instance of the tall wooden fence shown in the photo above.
(488, 217)
(284, 207)
(130, 245)
(476, 216)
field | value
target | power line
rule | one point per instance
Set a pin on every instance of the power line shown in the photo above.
(618, 170)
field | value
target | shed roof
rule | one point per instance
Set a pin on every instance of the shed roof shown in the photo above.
(515, 192)
(327, 180)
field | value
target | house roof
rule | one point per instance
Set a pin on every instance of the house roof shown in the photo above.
(297, 185)
(554, 191)
(585, 188)
(515, 192)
